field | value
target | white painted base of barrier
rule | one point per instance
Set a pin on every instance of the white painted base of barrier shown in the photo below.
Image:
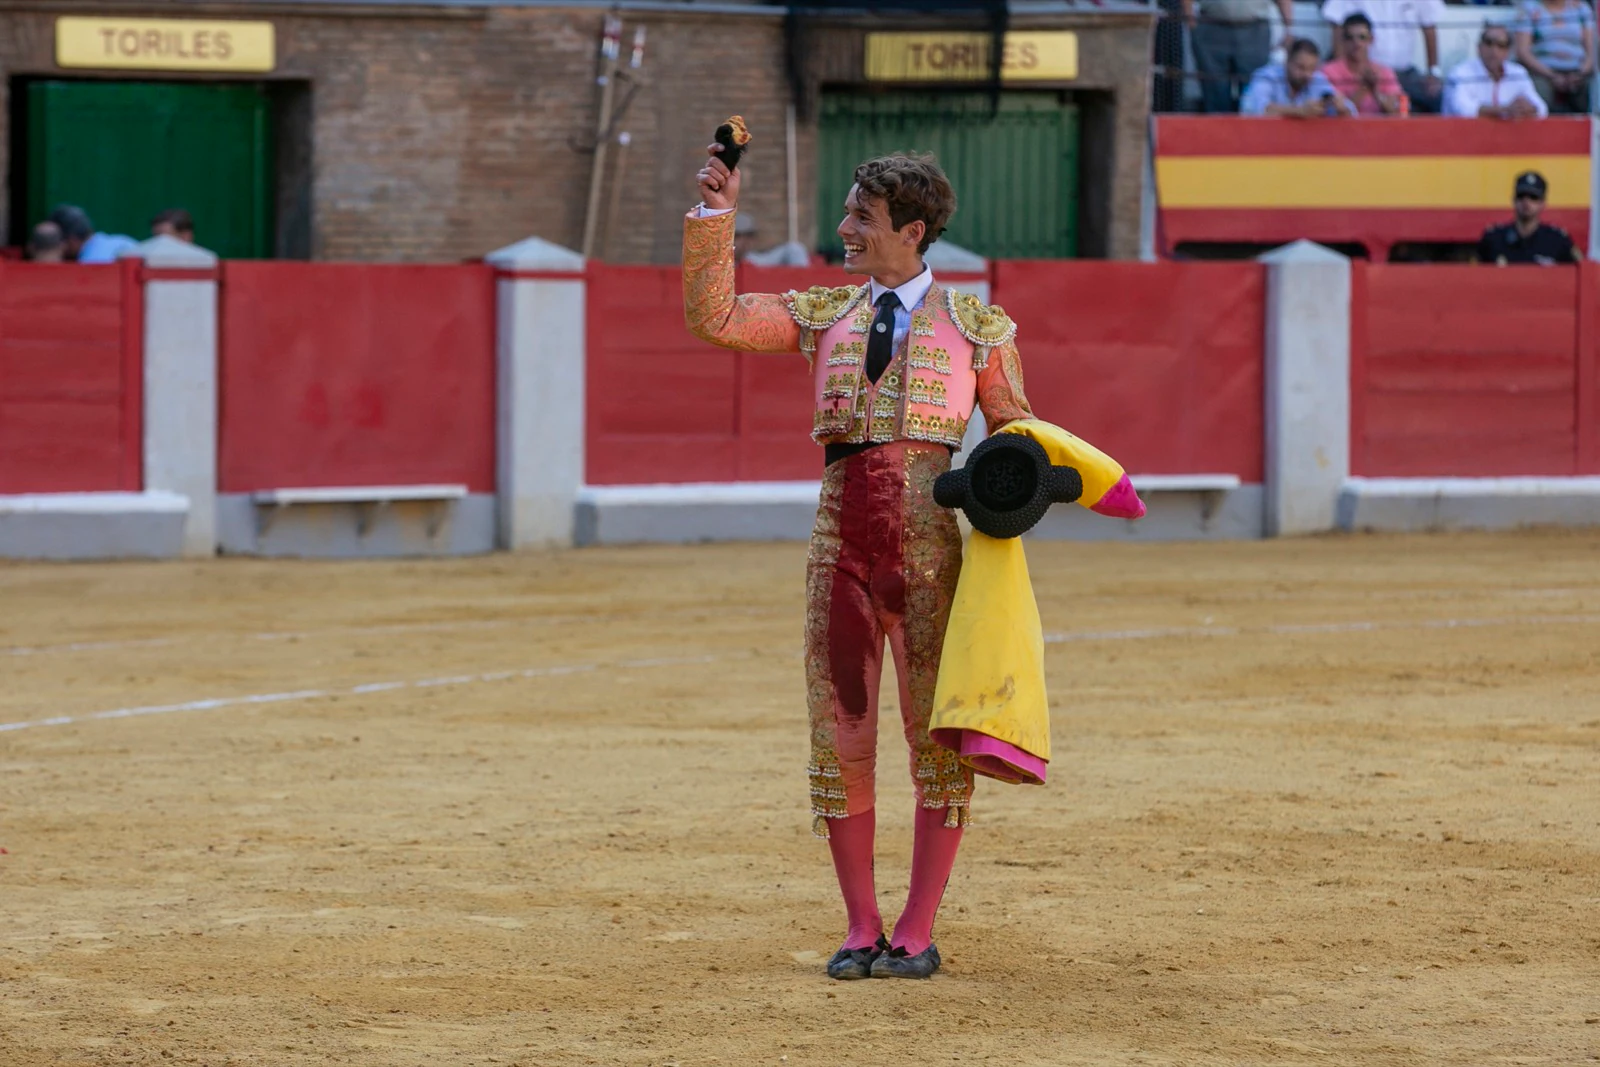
(370, 522)
(1182, 507)
(67, 526)
(1179, 511)
(694, 512)
(1401, 504)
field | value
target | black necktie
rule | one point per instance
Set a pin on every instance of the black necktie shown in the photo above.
(880, 343)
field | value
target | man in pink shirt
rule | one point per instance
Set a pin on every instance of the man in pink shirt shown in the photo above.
(1371, 87)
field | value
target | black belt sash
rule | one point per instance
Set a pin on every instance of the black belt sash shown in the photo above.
(832, 454)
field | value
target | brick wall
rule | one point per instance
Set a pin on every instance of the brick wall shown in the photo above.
(444, 133)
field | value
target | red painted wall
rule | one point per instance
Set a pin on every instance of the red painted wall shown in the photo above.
(1469, 371)
(70, 378)
(353, 374)
(1160, 364)
(665, 407)
(1588, 370)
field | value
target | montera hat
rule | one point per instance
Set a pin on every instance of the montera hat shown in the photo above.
(1007, 485)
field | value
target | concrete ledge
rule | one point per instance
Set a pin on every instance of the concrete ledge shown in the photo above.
(358, 494)
(346, 529)
(93, 525)
(684, 514)
(1467, 503)
(1182, 507)
(1190, 483)
(1179, 513)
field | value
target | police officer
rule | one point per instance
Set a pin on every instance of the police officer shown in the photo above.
(1527, 240)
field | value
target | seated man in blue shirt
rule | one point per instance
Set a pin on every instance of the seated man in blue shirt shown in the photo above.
(1295, 88)
(80, 241)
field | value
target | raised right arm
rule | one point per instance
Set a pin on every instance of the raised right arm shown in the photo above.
(752, 322)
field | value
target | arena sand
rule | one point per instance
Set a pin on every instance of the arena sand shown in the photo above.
(1329, 801)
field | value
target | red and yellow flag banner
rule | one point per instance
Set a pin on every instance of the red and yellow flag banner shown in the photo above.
(1368, 181)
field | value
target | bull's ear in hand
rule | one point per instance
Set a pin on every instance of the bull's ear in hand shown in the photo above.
(733, 136)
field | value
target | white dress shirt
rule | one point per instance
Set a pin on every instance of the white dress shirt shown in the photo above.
(1396, 27)
(911, 295)
(1470, 88)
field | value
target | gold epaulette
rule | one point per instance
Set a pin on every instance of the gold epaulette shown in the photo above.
(985, 325)
(820, 307)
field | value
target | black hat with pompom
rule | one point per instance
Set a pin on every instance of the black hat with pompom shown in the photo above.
(1007, 485)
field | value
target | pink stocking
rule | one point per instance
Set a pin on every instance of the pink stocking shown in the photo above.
(850, 841)
(933, 854)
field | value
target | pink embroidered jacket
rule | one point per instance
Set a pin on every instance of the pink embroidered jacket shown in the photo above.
(959, 353)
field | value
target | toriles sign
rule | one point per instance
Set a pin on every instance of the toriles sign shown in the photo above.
(934, 57)
(164, 44)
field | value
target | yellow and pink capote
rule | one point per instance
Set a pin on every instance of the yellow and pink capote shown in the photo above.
(990, 703)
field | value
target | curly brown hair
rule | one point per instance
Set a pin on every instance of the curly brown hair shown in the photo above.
(912, 187)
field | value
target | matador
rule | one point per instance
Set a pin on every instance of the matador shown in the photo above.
(898, 365)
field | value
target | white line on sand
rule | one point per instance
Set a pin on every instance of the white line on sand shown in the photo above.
(373, 628)
(1354, 626)
(214, 703)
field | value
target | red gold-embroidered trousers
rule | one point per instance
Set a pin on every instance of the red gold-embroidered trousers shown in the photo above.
(882, 570)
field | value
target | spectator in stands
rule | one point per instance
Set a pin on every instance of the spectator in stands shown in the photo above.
(1370, 87)
(174, 222)
(82, 243)
(1396, 25)
(1527, 240)
(44, 243)
(1555, 41)
(1492, 86)
(1232, 40)
(1294, 88)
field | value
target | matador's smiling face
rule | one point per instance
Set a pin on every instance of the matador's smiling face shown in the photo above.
(872, 246)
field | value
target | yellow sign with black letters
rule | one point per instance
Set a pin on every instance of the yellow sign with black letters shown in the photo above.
(165, 44)
(1044, 55)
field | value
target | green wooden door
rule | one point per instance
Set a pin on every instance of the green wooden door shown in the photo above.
(123, 151)
(1015, 172)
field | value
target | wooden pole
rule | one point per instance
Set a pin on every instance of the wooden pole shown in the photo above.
(610, 48)
(623, 140)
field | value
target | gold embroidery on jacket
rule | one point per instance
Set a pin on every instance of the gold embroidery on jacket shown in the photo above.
(944, 429)
(934, 359)
(830, 422)
(750, 322)
(885, 413)
(820, 307)
(987, 326)
(886, 420)
(840, 386)
(926, 391)
(847, 354)
(863, 319)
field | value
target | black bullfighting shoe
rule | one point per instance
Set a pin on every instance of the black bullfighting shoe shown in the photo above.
(849, 964)
(898, 963)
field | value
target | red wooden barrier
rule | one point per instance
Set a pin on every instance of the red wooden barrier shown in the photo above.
(1159, 364)
(1468, 371)
(665, 407)
(344, 374)
(1587, 403)
(71, 378)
